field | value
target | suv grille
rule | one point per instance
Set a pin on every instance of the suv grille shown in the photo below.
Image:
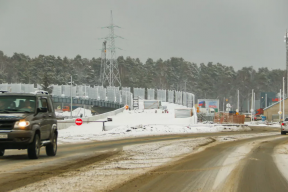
(7, 125)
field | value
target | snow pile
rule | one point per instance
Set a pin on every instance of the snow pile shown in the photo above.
(171, 106)
(76, 112)
(162, 129)
(93, 131)
(262, 124)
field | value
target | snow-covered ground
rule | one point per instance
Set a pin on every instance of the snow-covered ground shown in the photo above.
(140, 123)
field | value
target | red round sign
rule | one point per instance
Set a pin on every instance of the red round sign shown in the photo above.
(78, 121)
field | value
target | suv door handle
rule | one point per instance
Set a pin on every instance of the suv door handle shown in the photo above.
(50, 115)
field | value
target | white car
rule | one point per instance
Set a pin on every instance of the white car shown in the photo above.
(284, 127)
(40, 92)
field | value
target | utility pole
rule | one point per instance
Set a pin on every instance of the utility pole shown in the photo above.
(248, 103)
(280, 107)
(223, 105)
(265, 100)
(252, 105)
(185, 81)
(110, 70)
(71, 97)
(286, 40)
(103, 62)
(283, 99)
(238, 101)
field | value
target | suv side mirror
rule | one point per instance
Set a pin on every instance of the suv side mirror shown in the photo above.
(42, 110)
(109, 119)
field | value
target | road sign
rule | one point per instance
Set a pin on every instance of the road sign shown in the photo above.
(78, 121)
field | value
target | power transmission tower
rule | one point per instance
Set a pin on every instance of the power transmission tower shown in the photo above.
(110, 75)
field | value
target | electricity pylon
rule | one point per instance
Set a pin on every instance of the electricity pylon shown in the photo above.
(110, 75)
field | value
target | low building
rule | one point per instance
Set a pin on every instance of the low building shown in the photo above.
(271, 112)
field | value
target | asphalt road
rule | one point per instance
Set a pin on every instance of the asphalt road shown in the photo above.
(17, 170)
(198, 172)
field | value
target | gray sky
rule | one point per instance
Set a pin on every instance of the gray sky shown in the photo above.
(232, 32)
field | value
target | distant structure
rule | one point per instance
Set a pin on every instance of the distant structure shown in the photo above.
(110, 75)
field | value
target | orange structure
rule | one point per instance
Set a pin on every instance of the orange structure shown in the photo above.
(228, 118)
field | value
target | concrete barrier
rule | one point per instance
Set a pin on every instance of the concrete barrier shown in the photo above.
(63, 124)
(183, 113)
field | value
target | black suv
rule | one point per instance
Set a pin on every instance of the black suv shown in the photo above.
(27, 121)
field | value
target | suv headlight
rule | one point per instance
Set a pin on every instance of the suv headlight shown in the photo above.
(21, 124)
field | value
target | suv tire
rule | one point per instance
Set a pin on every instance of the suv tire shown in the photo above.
(2, 151)
(283, 133)
(51, 148)
(34, 148)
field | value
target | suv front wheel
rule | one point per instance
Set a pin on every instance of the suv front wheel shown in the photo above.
(34, 148)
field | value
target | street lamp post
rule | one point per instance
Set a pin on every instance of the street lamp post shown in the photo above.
(252, 105)
(283, 99)
(71, 83)
(71, 97)
(265, 100)
(223, 105)
(280, 107)
(248, 102)
(238, 102)
(286, 40)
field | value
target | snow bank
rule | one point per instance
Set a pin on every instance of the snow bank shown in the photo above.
(262, 124)
(139, 123)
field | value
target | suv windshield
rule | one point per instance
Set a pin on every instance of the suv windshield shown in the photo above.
(17, 104)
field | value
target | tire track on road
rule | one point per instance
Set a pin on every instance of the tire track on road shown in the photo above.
(196, 172)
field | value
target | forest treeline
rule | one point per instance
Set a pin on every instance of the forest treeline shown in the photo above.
(210, 81)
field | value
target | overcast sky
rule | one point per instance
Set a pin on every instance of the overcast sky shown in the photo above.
(232, 32)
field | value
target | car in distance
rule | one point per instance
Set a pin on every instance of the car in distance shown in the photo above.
(284, 127)
(258, 118)
(28, 121)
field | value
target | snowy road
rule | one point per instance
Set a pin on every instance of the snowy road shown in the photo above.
(101, 165)
(244, 165)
